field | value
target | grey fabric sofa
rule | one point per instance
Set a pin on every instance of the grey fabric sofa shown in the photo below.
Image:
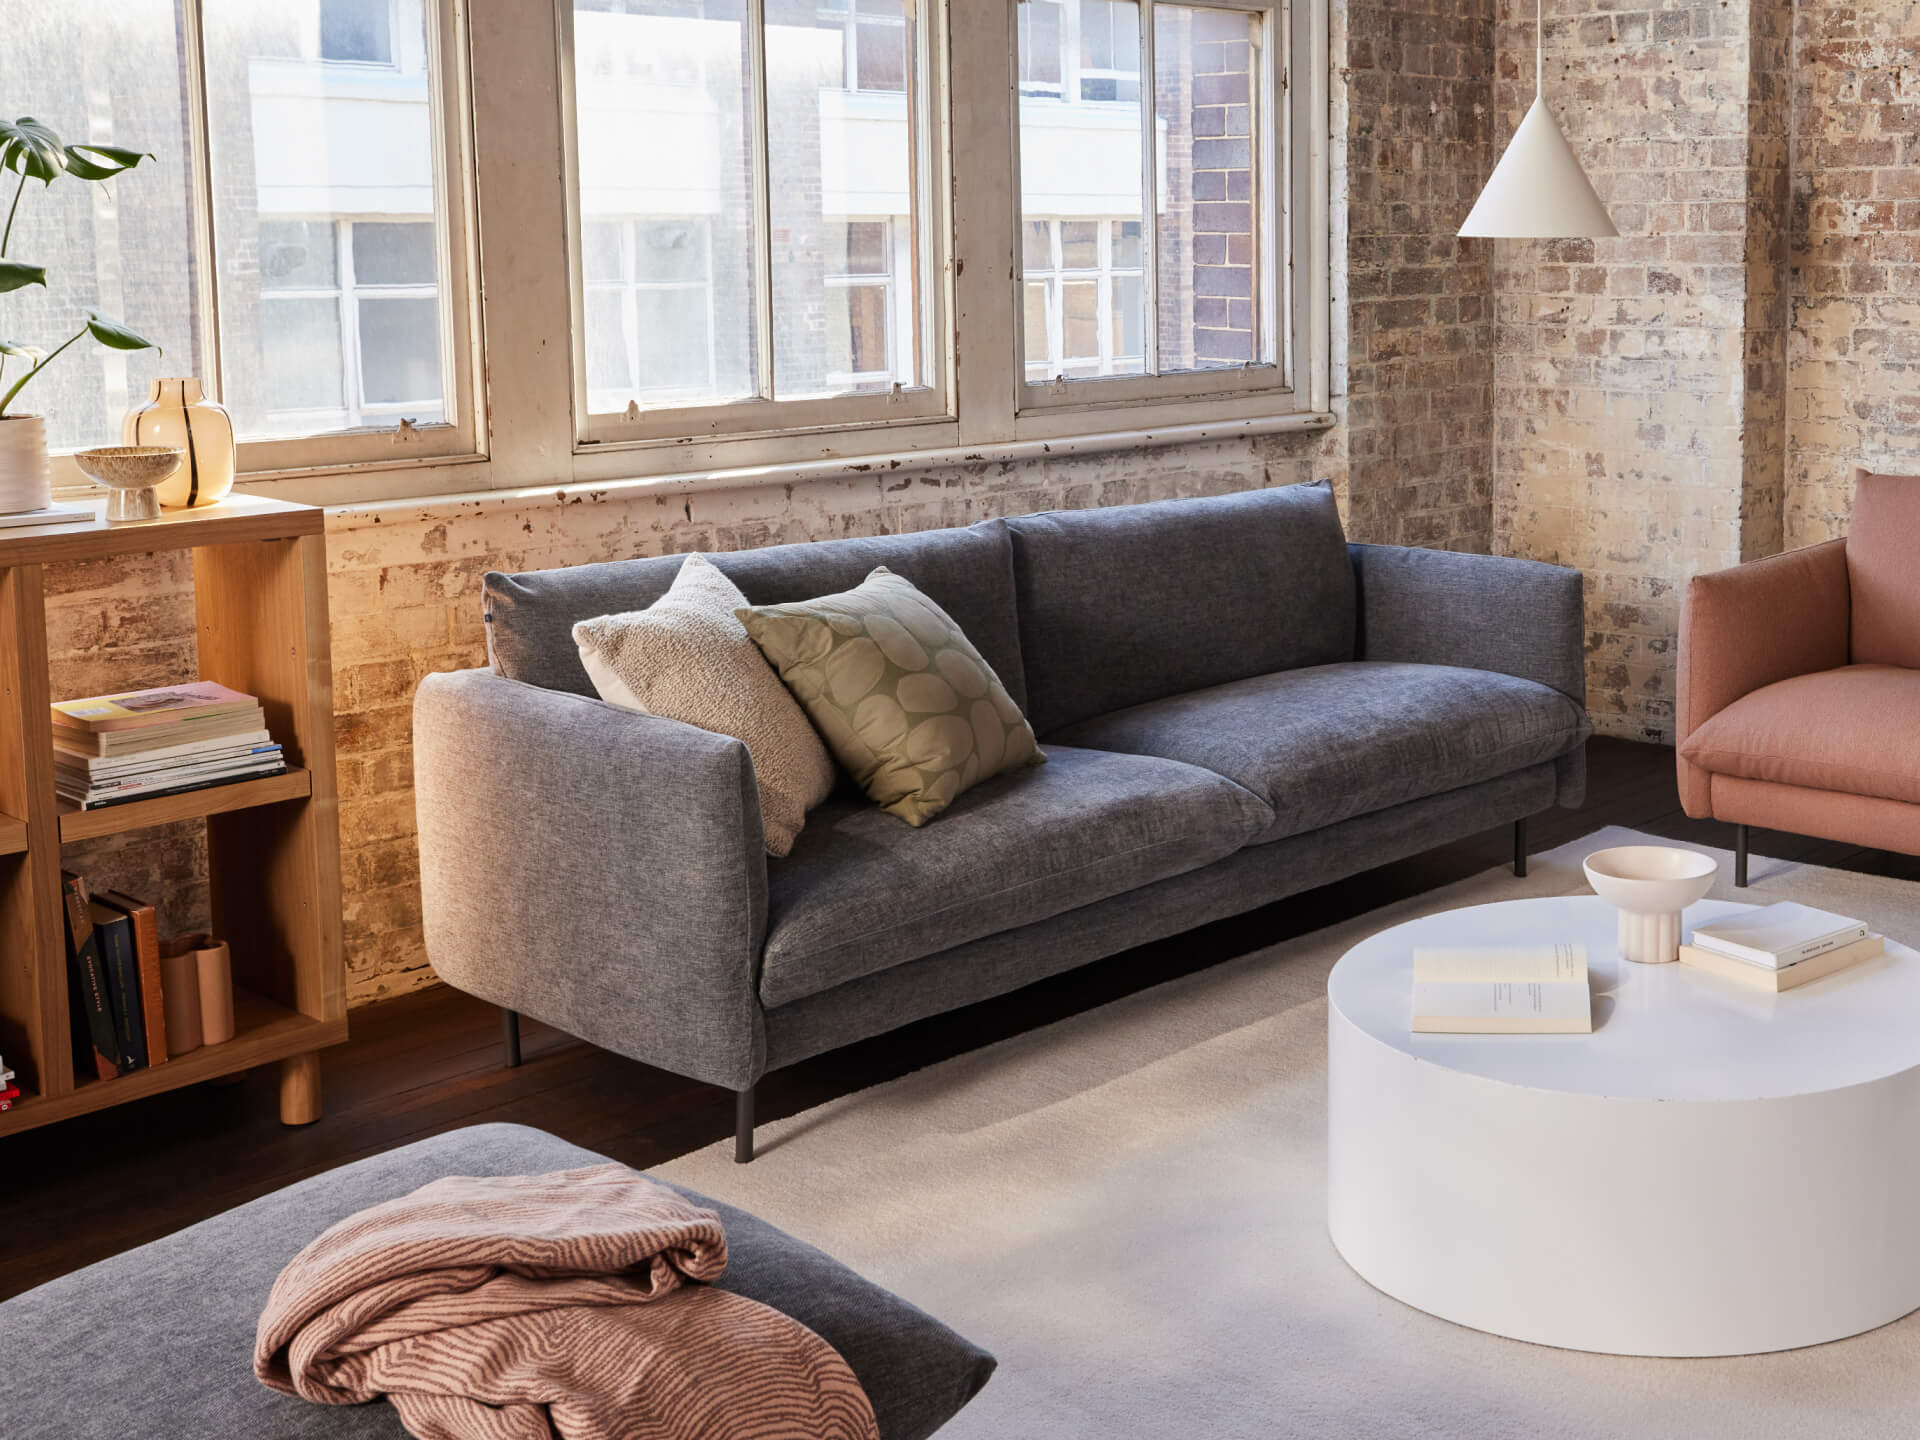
(1236, 706)
(158, 1342)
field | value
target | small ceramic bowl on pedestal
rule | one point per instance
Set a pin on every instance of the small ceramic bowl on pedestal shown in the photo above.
(1650, 885)
(130, 472)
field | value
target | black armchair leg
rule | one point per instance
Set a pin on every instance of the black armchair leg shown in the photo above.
(1520, 848)
(1740, 856)
(743, 1126)
(510, 1036)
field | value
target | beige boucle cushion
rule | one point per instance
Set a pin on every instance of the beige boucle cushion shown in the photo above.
(902, 697)
(687, 658)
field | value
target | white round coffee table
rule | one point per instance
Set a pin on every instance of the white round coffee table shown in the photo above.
(1714, 1171)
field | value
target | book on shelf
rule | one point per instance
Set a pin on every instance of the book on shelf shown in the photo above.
(145, 926)
(144, 762)
(87, 800)
(123, 743)
(1787, 977)
(114, 932)
(87, 1002)
(51, 515)
(1502, 990)
(1779, 935)
(147, 709)
(72, 788)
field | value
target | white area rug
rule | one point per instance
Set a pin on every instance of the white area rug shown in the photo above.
(1128, 1208)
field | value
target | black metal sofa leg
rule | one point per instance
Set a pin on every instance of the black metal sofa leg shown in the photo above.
(1520, 848)
(1740, 856)
(743, 1126)
(510, 1036)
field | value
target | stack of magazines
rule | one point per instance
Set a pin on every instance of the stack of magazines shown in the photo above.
(112, 749)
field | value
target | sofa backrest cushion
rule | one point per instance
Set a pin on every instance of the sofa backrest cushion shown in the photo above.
(1136, 602)
(1883, 542)
(969, 573)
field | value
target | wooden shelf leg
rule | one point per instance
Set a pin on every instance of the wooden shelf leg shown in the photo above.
(300, 1089)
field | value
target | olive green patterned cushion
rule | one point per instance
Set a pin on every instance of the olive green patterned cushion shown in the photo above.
(901, 697)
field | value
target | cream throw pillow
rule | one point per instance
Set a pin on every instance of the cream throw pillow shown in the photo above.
(904, 700)
(687, 658)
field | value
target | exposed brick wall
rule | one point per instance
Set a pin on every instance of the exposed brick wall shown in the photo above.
(1624, 381)
(1854, 348)
(1417, 303)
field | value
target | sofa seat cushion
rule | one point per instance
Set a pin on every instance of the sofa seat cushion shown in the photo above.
(861, 892)
(158, 1342)
(1329, 742)
(1849, 730)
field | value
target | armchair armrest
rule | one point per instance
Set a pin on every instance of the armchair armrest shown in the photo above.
(1751, 626)
(595, 868)
(1481, 612)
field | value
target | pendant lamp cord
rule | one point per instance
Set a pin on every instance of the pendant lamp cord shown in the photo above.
(1539, 49)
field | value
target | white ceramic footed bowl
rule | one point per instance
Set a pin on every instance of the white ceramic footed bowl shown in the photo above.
(1650, 885)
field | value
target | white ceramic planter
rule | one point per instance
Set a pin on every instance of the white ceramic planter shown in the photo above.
(25, 481)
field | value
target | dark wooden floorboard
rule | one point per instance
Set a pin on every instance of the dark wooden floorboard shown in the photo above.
(73, 1193)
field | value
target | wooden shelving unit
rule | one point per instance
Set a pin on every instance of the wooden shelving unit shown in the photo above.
(260, 594)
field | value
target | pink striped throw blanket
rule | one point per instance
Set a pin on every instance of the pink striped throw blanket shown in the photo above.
(530, 1307)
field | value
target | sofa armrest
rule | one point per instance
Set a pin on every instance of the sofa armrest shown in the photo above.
(1751, 626)
(1481, 612)
(595, 868)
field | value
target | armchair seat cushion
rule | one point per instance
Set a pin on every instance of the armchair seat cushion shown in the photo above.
(1852, 730)
(861, 892)
(1329, 742)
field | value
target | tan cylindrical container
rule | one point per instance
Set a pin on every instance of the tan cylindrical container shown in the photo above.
(180, 990)
(178, 414)
(211, 968)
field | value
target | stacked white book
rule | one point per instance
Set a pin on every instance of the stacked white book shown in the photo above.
(1781, 946)
(113, 749)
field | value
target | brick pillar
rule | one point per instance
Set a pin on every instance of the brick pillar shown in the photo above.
(1637, 400)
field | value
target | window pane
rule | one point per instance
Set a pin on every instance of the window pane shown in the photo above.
(400, 354)
(857, 327)
(600, 251)
(298, 255)
(670, 250)
(385, 254)
(1037, 245)
(1040, 39)
(675, 344)
(1081, 306)
(858, 247)
(1109, 50)
(664, 123)
(301, 339)
(609, 375)
(356, 30)
(106, 75)
(882, 54)
(1081, 164)
(1079, 245)
(832, 156)
(292, 136)
(1035, 325)
(1207, 237)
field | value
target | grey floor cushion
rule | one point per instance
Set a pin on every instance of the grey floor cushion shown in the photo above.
(158, 1342)
(1328, 742)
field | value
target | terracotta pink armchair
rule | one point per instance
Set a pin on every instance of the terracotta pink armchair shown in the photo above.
(1799, 687)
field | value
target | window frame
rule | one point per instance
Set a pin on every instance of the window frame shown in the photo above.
(332, 465)
(1285, 202)
(760, 418)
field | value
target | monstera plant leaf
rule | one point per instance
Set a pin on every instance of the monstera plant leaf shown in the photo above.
(31, 148)
(14, 274)
(101, 162)
(116, 336)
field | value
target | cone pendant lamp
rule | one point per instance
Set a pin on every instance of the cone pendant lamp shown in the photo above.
(1538, 190)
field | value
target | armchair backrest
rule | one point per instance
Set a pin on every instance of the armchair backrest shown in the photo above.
(1883, 570)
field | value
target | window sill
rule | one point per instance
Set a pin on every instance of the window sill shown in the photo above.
(348, 514)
